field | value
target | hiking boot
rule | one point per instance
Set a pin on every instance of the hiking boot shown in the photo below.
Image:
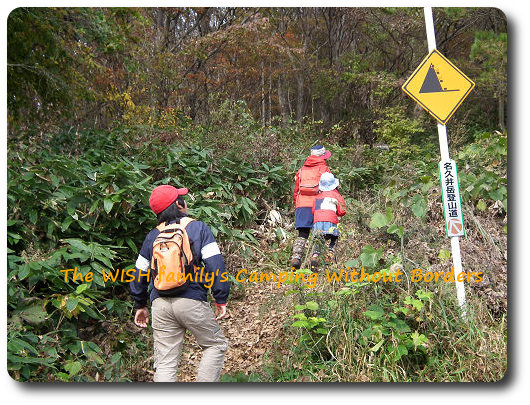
(314, 263)
(298, 252)
(330, 257)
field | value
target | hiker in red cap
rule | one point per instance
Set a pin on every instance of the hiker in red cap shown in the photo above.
(305, 191)
(163, 196)
(179, 306)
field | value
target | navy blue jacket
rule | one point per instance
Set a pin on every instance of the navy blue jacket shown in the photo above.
(205, 253)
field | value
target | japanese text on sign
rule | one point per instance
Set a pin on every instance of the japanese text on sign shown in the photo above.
(451, 199)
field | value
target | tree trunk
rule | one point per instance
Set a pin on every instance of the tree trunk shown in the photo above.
(289, 100)
(283, 104)
(501, 113)
(262, 93)
(300, 96)
(269, 115)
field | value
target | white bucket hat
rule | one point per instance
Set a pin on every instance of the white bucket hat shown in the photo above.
(328, 182)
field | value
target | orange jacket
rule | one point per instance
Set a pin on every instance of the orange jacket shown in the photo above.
(311, 163)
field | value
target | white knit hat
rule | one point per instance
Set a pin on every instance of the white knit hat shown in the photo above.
(319, 150)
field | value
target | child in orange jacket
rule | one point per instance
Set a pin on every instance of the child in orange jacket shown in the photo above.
(329, 205)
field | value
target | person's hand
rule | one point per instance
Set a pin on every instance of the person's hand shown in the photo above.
(141, 318)
(220, 311)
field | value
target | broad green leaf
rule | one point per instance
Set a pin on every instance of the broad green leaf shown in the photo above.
(94, 357)
(300, 324)
(107, 204)
(419, 208)
(73, 368)
(312, 305)
(132, 245)
(303, 271)
(93, 206)
(301, 317)
(344, 291)
(481, 205)
(425, 179)
(399, 325)
(444, 254)
(71, 303)
(389, 215)
(33, 216)
(416, 304)
(332, 303)
(418, 339)
(83, 225)
(352, 264)
(33, 314)
(400, 351)
(375, 312)
(24, 271)
(80, 288)
(47, 361)
(115, 358)
(71, 206)
(66, 223)
(16, 345)
(403, 310)
(93, 314)
(424, 295)
(78, 245)
(370, 257)
(93, 346)
(377, 346)
(394, 228)
(49, 229)
(373, 315)
(378, 220)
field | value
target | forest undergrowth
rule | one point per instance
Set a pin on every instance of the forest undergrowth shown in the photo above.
(79, 200)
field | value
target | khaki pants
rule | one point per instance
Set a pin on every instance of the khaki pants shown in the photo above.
(171, 317)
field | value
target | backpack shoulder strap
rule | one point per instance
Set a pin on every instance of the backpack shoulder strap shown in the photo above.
(161, 226)
(184, 222)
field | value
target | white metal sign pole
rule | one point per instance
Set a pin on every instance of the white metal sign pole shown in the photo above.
(444, 152)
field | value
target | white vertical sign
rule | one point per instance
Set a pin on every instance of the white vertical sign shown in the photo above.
(444, 152)
(454, 220)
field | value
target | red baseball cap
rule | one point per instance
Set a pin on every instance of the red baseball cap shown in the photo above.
(163, 196)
